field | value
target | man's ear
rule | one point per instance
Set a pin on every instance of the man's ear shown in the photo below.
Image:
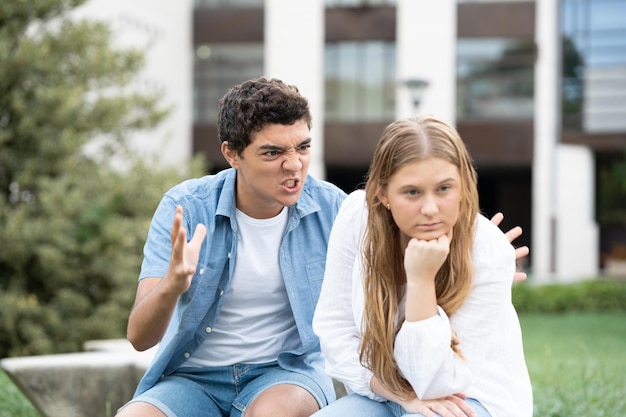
(230, 154)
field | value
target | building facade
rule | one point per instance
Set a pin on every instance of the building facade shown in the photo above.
(537, 90)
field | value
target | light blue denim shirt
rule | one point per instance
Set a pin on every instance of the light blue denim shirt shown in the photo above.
(210, 200)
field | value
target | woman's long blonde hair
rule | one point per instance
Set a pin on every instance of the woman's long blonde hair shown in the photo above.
(403, 142)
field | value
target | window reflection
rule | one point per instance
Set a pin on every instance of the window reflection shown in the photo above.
(594, 65)
(495, 78)
(360, 81)
(217, 67)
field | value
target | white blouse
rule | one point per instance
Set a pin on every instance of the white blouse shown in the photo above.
(493, 369)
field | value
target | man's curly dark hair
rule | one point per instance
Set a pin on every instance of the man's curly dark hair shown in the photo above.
(248, 107)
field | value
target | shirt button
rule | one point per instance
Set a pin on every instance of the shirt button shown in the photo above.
(186, 355)
(201, 271)
(228, 255)
(221, 293)
(208, 330)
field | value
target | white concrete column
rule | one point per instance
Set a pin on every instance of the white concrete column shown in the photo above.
(577, 235)
(426, 49)
(546, 130)
(162, 31)
(294, 52)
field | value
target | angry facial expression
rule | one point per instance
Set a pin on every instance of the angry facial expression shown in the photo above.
(272, 169)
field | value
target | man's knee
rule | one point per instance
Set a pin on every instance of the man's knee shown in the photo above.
(284, 400)
(139, 409)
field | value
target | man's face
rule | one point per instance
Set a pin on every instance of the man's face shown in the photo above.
(271, 170)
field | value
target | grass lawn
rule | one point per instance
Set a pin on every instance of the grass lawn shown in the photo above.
(12, 402)
(577, 364)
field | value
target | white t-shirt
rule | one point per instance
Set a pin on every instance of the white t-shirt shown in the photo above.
(256, 320)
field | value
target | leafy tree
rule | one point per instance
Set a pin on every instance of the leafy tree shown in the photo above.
(612, 194)
(572, 97)
(72, 225)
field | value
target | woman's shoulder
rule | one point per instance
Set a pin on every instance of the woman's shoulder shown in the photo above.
(491, 246)
(357, 196)
(354, 202)
(487, 231)
(353, 212)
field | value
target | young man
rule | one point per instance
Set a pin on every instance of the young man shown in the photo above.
(232, 306)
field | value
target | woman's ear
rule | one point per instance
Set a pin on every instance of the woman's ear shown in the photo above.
(230, 154)
(382, 197)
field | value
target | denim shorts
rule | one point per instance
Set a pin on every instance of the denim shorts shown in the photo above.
(221, 391)
(355, 405)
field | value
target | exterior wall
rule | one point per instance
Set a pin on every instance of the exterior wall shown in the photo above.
(294, 52)
(577, 233)
(163, 30)
(426, 50)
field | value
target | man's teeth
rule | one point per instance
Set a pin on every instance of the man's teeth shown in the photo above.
(290, 183)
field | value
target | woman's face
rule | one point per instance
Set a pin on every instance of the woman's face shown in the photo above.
(424, 198)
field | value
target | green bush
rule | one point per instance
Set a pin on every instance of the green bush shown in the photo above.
(75, 202)
(70, 272)
(593, 295)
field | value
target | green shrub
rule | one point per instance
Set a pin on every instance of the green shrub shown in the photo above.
(70, 272)
(75, 201)
(592, 295)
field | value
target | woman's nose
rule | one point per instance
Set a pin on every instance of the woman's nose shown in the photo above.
(429, 206)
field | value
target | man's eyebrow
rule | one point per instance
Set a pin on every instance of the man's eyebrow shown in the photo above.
(270, 147)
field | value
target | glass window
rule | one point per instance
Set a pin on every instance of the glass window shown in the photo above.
(217, 68)
(594, 65)
(495, 78)
(360, 81)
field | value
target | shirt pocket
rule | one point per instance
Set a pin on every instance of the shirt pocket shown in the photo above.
(196, 301)
(315, 275)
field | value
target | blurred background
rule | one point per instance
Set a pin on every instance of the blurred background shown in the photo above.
(537, 89)
(105, 104)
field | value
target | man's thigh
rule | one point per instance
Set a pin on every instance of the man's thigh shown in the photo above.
(191, 392)
(355, 405)
(139, 409)
(279, 392)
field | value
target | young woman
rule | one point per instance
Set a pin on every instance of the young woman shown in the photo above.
(415, 314)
